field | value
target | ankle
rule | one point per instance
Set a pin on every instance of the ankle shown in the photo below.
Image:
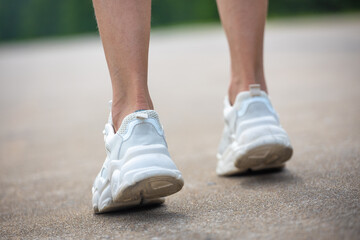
(120, 109)
(240, 86)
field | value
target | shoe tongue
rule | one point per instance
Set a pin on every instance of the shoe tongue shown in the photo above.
(254, 91)
(141, 115)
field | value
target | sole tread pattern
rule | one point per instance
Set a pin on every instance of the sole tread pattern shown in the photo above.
(146, 191)
(264, 157)
(265, 152)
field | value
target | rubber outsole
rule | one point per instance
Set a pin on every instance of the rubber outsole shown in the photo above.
(267, 152)
(139, 187)
(264, 157)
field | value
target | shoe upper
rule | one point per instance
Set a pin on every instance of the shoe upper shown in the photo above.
(140, 128)
(138, 168)
(250, 109)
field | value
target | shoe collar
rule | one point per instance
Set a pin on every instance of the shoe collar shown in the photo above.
(254, 91)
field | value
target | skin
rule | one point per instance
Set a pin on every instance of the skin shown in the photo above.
(244, 22)
(124, 27)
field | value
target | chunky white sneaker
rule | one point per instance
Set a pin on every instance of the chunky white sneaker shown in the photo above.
(138, 168)
(252, 137)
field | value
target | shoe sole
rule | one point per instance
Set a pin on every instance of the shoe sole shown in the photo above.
(132, 185)
(136, 191)
(265, 152)
(272, 155)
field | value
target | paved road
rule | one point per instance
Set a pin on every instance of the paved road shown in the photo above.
(53, 101)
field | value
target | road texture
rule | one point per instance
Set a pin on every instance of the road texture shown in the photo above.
(53, 101)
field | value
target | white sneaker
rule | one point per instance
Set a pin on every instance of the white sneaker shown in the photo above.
(138, 168)
(252, 137)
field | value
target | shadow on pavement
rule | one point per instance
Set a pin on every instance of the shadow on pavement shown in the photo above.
(260, 172)
(155, 212)
(265, 178)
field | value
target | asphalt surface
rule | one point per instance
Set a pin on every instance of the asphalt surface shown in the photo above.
(53, 102)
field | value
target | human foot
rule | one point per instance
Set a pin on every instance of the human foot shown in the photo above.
(138, 169)
(253, 137)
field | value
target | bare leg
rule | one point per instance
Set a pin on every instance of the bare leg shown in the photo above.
(124, 27)
(244, 21)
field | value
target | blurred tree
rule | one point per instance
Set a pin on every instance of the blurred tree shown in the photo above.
(21, 19)
(165, 12)
(296, 7)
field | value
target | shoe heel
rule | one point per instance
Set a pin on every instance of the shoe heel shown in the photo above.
(147, 174)
(266, 152)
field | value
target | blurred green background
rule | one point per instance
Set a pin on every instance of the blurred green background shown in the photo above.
(24, 19)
